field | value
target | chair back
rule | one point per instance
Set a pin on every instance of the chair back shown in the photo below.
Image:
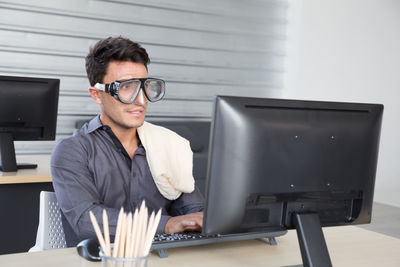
(50, 233)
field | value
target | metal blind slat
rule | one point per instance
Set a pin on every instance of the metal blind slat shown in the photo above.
(201, 47)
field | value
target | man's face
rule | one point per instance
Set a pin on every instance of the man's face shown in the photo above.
(113, 112)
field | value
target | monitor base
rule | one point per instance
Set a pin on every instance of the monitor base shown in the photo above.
(267, 237)
(8, 163)
(21, 166)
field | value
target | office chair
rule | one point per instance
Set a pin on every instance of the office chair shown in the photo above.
(50, 233)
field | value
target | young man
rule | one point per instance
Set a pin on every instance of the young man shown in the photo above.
(107, 165)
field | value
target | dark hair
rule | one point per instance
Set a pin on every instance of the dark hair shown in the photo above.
(112, 49)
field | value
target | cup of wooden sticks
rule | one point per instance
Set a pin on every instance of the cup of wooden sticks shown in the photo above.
(133, 237)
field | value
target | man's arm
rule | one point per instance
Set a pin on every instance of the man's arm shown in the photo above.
(76, 190)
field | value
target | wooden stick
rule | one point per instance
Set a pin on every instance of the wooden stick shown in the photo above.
(144, 231)
(145, 235)
(152, 232)
(98, 232)
(118, 233)
(148, 231)
(128, 235)
(106, 231)
(122, 239)
(139, 231)
(134, 232)
(151, 222)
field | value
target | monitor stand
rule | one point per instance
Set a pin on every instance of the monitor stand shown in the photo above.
(314, 251)
(8, 163)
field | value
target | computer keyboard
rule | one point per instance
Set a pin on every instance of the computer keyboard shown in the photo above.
(160, 238)
(163, 241)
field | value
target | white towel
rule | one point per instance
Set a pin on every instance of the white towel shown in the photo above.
(170, 160)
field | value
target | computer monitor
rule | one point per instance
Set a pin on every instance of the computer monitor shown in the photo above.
(289, 164)
(28, 111)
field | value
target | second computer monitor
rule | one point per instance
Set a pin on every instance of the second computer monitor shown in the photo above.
(28, 111)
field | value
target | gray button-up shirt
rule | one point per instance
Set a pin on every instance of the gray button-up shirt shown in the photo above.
(92, 171)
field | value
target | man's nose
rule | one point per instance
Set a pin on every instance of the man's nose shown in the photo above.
(141, 98)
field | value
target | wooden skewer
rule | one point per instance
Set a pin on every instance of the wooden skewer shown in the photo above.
(148, 231)
(138, 232)
(134, 232)
(98, 232)
(122, 239)
(128, 236)
(152, 232)
(106, 231)
(144, 231)
(118, 233)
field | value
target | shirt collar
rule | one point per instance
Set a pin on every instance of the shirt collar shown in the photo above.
(94, 124)
(140, 150)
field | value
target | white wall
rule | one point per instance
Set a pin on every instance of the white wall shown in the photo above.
(349, 50)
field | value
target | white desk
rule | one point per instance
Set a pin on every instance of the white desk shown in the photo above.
(348, 246)
(39, 175)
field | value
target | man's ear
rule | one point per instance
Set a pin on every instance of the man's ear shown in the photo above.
(95, 94)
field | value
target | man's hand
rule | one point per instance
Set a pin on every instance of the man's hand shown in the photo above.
(188, 222)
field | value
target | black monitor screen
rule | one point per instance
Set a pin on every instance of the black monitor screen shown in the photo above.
(271, 159)
(28, 111)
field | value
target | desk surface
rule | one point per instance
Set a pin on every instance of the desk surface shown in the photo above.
(39, 175)
(348, 246)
